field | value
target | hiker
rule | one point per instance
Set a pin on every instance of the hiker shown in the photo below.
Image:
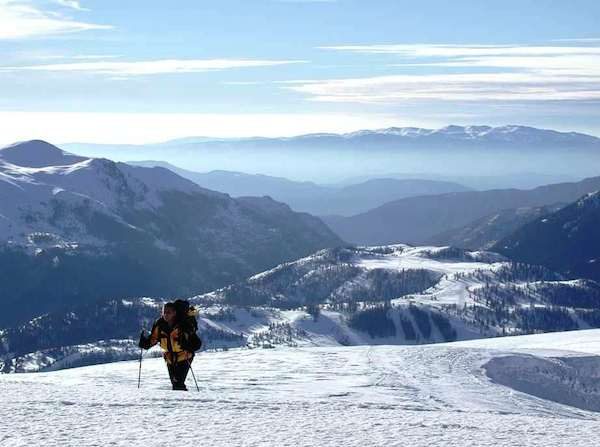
(175, 330)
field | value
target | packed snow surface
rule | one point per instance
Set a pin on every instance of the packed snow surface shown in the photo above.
(433, 395)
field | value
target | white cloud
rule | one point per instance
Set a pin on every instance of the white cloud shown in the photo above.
(446, 50)
(306, 1)
(64, 57)
(449, 87)
(154, 67)
(21, 19)
(74, 4)
(579, 39)
(93, 56)
(512, 73)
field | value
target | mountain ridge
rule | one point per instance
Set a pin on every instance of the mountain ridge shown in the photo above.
(468, 132)
(309, 196)
(96, 229)
(451, 151)
(36, 154)
(416, 219)
(485, 232)
(567, 240)
(334, 297)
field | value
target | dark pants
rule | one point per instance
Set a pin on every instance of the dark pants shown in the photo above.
(178, 372)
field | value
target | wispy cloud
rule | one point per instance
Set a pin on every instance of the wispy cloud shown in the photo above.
(74, 4)
(449, 87)
(305, 1)
(93, 56)
(446, 50)
(153, 67)
(21, 19)
(65, 57)
(244, 82)
(512, 73)
(579, 39)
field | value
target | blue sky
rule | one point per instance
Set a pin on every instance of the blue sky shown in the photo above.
(141, 71)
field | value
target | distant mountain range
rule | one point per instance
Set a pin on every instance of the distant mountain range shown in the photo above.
(464, 134)
(518, 180)
(567, 240)
(418, 219)
(324, 158)
(311, 197)
(74, 228)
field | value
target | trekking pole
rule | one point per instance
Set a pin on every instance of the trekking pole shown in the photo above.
(193, 375)
(140, 370)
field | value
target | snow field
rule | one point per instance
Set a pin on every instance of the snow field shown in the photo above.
(434, 395)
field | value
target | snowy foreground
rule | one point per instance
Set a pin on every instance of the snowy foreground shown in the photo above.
(429, 395)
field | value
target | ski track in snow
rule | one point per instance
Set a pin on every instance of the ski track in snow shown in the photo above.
(436, 395)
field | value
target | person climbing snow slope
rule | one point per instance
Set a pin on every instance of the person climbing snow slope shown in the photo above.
(175, 330)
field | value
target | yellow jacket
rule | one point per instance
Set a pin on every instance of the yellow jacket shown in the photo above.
(170, 339)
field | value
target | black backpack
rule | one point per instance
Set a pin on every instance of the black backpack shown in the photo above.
(186, 316)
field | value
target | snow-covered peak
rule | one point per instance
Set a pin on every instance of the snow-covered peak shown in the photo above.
(451, 130)
(38, 162)
(417, 132)
(162, 179)
(477, 132)
(508, 133)
(37, 180)
(37, 154)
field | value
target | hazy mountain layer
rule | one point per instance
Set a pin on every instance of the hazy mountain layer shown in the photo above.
(323, 158)
(313, 198)
(417, 219)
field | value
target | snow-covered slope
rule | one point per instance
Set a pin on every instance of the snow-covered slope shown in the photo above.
(347, 296)
(74, 228)
(415, 294)
(36, 176)
(344, 274)
(426, 396)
